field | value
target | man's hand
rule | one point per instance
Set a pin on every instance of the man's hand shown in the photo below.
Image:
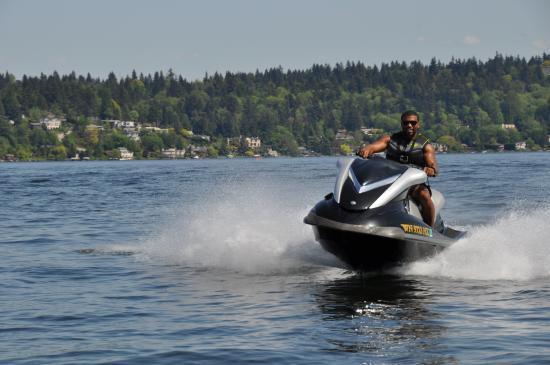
(377, 146)
(363, 152)
(430, 171)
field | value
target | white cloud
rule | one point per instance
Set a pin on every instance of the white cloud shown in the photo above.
(421, 39)
(471, 39)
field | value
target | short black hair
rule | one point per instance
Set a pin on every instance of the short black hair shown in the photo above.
(408, 113)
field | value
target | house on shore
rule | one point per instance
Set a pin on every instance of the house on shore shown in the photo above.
(198, 151)
(508, 126)
(343, 136)
(371, 131)
(132, 134)
(125, 155)
(10, 158)
(253, 142)
(121, 124)
(172, 153)
(51, 123)
(440, 147)
(272, 153)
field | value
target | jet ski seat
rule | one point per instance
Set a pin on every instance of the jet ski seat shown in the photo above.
(438, 200)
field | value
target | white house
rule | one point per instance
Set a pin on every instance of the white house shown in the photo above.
(172, 153)
(371, 131)
(253, 142)
(131, 133)
(121, 123)
(51, 123)
(198, 150)
(125, 154)
(440, 147)
(272, 153)
(343, 135)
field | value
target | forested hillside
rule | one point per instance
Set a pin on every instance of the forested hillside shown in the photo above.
(462, 102)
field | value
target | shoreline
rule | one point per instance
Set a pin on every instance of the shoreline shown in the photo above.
(259, 158)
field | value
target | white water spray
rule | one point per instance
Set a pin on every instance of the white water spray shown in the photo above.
(257, 228)
(515, 247)
(253, 228)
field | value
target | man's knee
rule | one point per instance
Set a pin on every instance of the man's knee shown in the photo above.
(423, 195)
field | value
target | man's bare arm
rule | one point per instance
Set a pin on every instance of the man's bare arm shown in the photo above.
(379, 145)
(431, 168)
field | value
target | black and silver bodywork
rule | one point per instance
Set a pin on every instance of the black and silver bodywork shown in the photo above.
(371, 223)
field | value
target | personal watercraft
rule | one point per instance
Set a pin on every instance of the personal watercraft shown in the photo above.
(371, 223)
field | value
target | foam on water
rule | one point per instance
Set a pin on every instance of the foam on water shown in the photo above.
(258, 228)
(514, 247)
(252, 228)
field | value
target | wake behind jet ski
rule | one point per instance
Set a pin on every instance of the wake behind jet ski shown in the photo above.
(370, 222)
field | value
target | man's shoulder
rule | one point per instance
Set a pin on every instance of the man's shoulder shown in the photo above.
(428, 147)
(384, 138)
(421, 139)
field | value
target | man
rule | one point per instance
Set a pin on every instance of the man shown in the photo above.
(410, 147)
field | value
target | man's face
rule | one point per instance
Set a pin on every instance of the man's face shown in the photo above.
(410, 125)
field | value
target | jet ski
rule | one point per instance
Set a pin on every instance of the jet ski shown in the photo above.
(371, 223)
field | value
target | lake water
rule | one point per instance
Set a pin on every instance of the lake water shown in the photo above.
(208, 262)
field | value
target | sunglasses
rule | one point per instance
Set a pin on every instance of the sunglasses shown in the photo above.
(411, 122)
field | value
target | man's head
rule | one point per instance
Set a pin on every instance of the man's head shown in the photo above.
(410, 122)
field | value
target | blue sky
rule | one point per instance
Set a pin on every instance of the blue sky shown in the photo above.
(195, 37)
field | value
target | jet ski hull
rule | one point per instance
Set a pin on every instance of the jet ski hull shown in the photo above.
(377, 239)
(364, 252)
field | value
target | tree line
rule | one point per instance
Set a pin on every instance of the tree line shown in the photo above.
(462, 102)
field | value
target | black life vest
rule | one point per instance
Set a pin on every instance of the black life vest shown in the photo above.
(407, 151)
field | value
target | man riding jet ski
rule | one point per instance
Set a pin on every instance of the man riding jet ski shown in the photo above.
(382, 212)
(410, 147)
